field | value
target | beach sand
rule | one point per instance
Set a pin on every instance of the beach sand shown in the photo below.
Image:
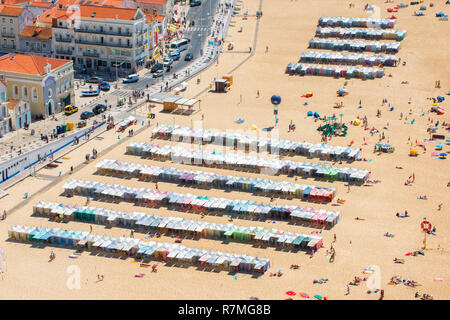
(286, 27)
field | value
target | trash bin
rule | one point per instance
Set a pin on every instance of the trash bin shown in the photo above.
(58, 130)
(63, 128)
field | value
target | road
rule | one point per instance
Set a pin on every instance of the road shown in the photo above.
(202, 15)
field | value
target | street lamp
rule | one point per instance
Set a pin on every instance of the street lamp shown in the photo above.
(117, 78)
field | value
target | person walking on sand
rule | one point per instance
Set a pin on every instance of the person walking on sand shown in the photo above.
(267, 49)
(52, 256)
(439, 208)
(156, 185)
(334, 237)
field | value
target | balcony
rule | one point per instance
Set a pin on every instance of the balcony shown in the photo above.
(60, 39)
(8, 46)
(97, 43)
(106, 32)
(62, 51)
(8, 35)
(91, 54)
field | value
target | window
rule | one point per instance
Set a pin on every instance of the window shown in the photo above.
(4, 20)
(35, 94)
(10, 20)
(27, 44)
(16, 92)
(50, 93)
(25, 93)
(3, 97)
(44, 45)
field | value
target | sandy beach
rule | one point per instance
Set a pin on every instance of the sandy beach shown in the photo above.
(286, 28)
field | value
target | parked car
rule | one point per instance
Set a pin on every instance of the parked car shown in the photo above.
(195, 3)
(175, 55)
(188, 57)
(167, 62)
(158, 74)
(94, 80)
(99, 109)
(68, 110)
(131, 78)
(104, 86)
(156, 67)
(81, 124)
(86, 115)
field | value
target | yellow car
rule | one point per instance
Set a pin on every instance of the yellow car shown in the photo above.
(68, 110)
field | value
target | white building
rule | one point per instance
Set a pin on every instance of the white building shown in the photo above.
(5, 126)
(99, 38)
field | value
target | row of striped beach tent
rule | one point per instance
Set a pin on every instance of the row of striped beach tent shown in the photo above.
(208, 180)
(148, 223)
(356, 22)
(187, 202)
(146, 250)
(357, 33)
(252, 142)
(271, 166)
(334, 71)
(347, 58)
(354, 45)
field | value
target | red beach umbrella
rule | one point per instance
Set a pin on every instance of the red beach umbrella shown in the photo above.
(290, 293)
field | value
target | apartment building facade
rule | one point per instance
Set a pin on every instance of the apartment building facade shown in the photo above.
(45, 83)
(5, 125)
(36, 40)
(12, 21)
(101, 38)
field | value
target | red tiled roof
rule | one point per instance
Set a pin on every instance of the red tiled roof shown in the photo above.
(107, 13)
(13, 2)
(13, 103)
(36, 32)
(94, 12)
(40, 4)
(153, 1)
(10, 10)
(28, 64)
(48, 15)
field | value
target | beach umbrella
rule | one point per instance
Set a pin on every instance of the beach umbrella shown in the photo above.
(316, 115)
(310, 114)
(413, 152)
(290, 293)
(318, 296)
(442, 154)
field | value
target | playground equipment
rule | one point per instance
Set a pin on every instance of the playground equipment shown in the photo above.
(333, 128)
